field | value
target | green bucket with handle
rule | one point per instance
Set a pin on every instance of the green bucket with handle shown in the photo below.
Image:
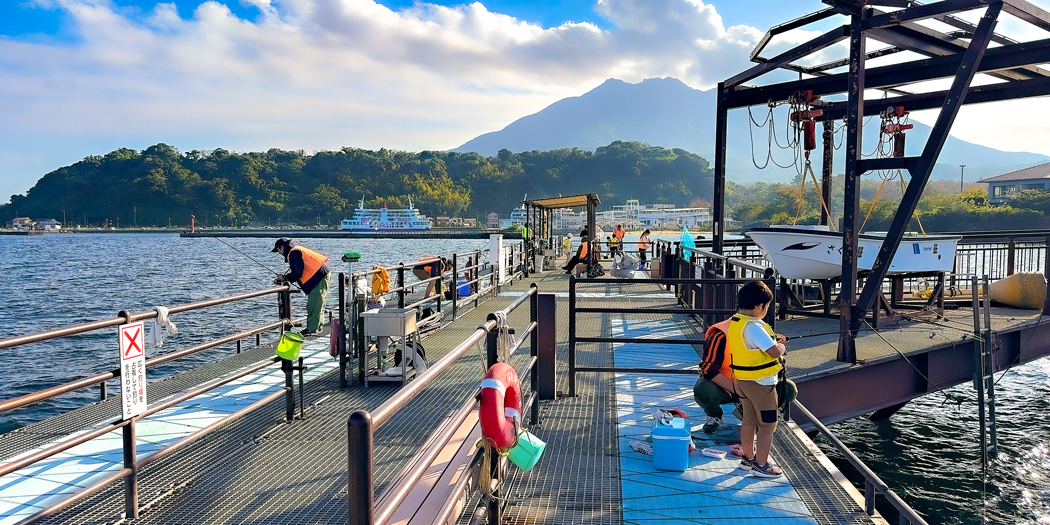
(289, 346)
(527, 451)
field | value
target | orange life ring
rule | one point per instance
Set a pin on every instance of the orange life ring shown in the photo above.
(500, 411)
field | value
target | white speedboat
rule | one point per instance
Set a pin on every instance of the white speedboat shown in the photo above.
(815, 252)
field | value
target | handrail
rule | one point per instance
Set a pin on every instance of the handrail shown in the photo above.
(132, 463)
(116, 321)
(364, 507)
(872, 483)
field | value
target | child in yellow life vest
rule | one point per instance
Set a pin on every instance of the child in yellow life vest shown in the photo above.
(754, 349)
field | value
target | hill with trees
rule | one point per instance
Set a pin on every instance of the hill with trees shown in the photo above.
(142, 188)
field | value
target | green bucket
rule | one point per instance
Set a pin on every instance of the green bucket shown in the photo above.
(527, 451)
(289, 345)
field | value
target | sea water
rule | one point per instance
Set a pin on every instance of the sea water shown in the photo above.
(927, 453)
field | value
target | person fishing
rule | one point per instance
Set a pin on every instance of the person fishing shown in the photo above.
(581, 256)
(434, 267)
(310, 270)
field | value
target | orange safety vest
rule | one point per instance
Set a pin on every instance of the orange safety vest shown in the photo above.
(721, 330)
(312, 261)
(583, 249)
(643, 243)
(618, 233)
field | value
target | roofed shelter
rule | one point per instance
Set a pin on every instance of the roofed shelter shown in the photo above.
(540, 218)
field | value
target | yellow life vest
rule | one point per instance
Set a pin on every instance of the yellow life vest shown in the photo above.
(380, 281)
(747, 363)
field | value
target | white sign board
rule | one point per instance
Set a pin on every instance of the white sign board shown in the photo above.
(132, 369)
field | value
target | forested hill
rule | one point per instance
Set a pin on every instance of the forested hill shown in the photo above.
(281, 187)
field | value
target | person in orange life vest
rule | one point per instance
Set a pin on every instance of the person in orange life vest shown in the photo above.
(581, 255)
(754, 350)
(431, 269)
(715, 386)
(618, 234)
(643, 245)
(310, 270)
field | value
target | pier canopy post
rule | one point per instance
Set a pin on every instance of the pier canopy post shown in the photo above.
(719, 204)
(401, 285)
(360, 493)
(131, 482)
(825, 171)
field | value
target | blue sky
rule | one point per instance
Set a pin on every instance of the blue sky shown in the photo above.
(85, 77)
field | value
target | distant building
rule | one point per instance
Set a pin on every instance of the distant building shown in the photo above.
(1002, 187)
(441, 221)
(455, 222)
(492, 220)
(470, 223)
(20, 222)
(47, 224)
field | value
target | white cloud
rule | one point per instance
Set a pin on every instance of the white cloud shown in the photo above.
(320, 74)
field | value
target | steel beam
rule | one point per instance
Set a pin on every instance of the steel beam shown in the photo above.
(921, 169)
(1005, 57)
(887, 163)
(827, 39)
(1028, 12)
(721, 124)
(976, 95)
(825, 170)
(788, 26)
(919, 12)
(847, 350)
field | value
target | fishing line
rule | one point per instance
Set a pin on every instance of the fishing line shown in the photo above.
(230, 246)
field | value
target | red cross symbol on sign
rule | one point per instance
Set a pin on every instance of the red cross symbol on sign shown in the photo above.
(131, 340)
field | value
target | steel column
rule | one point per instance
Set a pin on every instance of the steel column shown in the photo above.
(547, 341)
(131, 482)
(926, 162)
(360, 493)
(721, 125)
(847, 351)
(825, 170)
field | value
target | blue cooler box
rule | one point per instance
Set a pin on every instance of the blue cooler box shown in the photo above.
(463, 287)
(670, 448)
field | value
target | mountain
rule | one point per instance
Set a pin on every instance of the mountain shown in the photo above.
(666, 112)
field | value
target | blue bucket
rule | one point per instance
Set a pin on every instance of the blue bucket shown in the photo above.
(463, 287)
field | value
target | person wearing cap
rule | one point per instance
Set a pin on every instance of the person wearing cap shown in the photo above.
(310, 270)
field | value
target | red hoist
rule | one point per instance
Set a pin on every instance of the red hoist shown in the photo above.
(893, 126)
(804, 115)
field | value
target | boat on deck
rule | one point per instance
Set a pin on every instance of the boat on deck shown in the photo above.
(815, 252)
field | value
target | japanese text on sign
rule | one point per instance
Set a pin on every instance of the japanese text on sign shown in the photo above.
(132, 369)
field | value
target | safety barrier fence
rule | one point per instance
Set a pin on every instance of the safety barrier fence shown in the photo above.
(481, 284)
(872, 484)
(719, 284)
(133, 464)
(367, 509)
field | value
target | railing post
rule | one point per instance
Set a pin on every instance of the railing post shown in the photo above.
(1011, 252)
(534, 351)
(102, 391)
(1046, 272)
(455, 285)
(131, 482)
(401, 285)
(360, 490)
(360, 344)
(572, 335)
(547, 341)
(492, 355)
(289, 392)
(341, 344)
(869, 497)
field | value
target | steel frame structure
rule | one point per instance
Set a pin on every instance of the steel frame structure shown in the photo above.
(945, 55)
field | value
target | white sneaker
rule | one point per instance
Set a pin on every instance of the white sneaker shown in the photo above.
(712, 424)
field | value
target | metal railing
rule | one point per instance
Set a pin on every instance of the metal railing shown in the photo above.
(132, 464)
(872, 484)
(719, 284)
(362, 425)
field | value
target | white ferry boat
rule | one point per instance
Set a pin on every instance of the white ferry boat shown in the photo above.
(385, 219)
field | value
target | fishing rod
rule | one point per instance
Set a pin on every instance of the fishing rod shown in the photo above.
(254, 260)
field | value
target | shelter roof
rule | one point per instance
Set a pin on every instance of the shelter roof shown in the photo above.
(1041, 171)
(569, 201)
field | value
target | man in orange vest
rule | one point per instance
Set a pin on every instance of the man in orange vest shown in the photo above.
(310, 270)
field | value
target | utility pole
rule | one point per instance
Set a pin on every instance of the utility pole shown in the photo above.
(136, 211)
(169, 223)
(63, 218)
(962, 172)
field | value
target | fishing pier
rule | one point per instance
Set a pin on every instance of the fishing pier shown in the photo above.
(253, 438)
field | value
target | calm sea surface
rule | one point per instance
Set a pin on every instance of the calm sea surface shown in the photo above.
(927, 452)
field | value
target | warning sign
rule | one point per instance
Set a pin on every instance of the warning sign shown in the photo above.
(132, 369)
